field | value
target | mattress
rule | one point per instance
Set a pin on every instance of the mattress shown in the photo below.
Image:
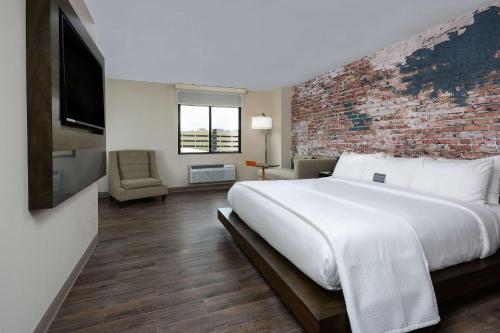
(450, 231)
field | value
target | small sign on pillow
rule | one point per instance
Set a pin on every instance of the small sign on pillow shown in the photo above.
(379, 178)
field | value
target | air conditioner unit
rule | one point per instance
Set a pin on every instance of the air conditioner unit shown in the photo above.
(212, 173)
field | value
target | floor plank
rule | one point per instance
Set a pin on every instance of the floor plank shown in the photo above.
(172, 267)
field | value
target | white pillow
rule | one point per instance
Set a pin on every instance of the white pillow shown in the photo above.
(397, 171)
(372, 166)
(456, 179)
(494, 185)
(352, 165)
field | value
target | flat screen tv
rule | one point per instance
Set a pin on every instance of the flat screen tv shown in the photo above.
(82, 80)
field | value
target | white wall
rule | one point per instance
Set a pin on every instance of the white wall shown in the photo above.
(275, 135)
(281, 139)
(37, 250)
(143, 115)
(286, 126)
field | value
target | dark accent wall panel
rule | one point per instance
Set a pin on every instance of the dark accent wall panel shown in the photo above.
(39, 94)
(434, 94)
(62, 160)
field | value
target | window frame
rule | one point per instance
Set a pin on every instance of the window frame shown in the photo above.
(209, 152)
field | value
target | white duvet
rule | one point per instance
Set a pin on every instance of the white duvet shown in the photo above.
(376, 242)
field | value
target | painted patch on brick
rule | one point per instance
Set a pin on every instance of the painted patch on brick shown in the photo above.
(360, 122)
(459, 64)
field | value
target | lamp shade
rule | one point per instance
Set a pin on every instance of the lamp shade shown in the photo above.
(263, 123)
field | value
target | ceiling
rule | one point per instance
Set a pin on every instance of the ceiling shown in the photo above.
(254, 44)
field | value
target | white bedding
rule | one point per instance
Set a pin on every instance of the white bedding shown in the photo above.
(303, 220)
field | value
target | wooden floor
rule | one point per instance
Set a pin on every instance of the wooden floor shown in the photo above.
(172, 267)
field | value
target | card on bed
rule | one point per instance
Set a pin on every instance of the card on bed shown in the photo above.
(379, 178)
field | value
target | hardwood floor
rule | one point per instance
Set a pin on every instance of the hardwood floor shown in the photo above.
(172, 267)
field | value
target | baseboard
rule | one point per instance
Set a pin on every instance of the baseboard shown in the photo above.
(49, 316)
(191, 188)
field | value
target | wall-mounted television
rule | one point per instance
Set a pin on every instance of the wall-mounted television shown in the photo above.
(82, 80)
(65, 112)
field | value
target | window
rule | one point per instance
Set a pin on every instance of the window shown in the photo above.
(209, 129)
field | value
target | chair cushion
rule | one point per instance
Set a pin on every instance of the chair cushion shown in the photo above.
(130, 184)
(134, 164)
(278, 174)
(299, 157)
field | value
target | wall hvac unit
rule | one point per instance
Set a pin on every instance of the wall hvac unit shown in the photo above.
(211, 173)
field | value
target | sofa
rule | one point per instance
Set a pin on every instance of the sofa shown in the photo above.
(304, 168)
(132, 174)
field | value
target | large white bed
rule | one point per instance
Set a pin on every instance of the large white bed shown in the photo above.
(450, 231)
(379, 241)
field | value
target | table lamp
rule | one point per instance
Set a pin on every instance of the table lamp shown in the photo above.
(263, 123)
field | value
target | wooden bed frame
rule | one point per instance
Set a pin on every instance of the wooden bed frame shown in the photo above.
(319, 310)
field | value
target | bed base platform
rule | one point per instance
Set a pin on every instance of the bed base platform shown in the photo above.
(321, 311)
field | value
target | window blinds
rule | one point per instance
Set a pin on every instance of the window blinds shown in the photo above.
(208, 98)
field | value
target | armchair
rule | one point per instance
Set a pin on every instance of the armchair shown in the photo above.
(133, 175)
(304, 168)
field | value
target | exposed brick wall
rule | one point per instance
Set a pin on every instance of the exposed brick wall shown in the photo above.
(435, 94)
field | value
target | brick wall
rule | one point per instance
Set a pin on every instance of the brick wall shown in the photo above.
(435, 94)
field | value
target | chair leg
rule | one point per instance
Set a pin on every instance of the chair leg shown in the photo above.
(116, 202)
(163, 197)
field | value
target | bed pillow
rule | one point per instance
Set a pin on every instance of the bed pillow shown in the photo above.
(372, 166)
(456, 179)
(398, 171)
(352, 165)
(494, 186)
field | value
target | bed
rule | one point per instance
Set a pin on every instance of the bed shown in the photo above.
(304, 225)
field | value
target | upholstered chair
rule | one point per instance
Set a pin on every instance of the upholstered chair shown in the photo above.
(304, 168)
(133, 175)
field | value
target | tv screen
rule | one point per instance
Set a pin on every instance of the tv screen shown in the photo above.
(82, 84)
